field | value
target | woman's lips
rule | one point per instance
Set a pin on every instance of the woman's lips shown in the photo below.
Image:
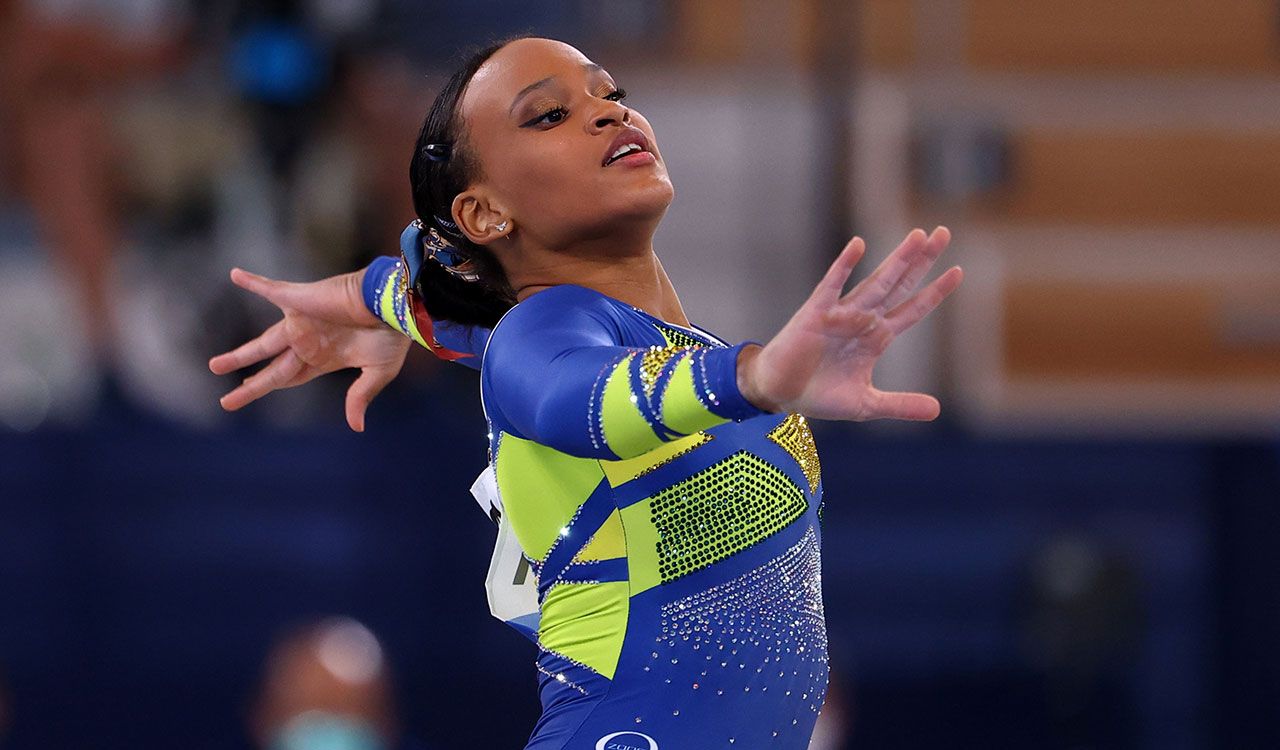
(629, 136)
(638, 159)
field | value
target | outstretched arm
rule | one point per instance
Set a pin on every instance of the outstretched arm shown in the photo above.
(820, 363)
(326, 327)
(558, 375)
(363, 319)
(386, 295)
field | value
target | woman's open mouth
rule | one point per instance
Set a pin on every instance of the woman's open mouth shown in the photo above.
(631, 147)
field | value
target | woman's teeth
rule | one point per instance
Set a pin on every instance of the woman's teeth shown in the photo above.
(623, 151)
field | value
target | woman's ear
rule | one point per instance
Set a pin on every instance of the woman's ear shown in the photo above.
(479, 218)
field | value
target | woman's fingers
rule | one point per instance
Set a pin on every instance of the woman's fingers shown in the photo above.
(269, 344)
(871, 291)
(828, 289)
(280, 293)
(919, 407)
(925, 301)
(361, 394)
(920, 267)
(278, 374)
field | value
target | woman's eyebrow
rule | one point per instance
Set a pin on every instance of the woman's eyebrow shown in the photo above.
(527, 90)
(589, 67)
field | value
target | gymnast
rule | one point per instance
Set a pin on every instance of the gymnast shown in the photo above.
(662, 483)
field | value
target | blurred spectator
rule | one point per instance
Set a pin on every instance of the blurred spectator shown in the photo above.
(63, 67)
(150, 146)
(326, 687)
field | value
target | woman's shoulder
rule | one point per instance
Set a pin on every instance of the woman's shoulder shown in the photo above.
(558, 310)
(558, 305)
(561, 296)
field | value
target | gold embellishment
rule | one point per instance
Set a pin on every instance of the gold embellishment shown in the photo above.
(795, 437)
(652, 362)
(402, 279)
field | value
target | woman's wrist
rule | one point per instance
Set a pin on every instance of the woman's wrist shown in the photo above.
(747, 379)
(360, 298)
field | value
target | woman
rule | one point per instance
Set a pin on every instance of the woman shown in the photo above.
(663, 484)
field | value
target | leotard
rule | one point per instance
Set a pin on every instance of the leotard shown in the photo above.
(672, 525)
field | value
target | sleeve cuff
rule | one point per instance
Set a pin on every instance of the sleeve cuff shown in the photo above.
(375, 278)
(718, 371)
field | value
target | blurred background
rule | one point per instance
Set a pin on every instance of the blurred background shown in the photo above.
(1081, 553)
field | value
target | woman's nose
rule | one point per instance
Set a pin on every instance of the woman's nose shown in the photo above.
(615, 114)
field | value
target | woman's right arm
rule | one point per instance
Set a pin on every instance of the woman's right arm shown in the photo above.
(364, 319)
(325, 327)
(385, 294)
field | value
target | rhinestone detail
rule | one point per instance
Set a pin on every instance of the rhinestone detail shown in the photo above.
(678, 337)
(770, 618)
(653, 360)
(595, 403)
(795, 437)
(559, 677)
(721, 510)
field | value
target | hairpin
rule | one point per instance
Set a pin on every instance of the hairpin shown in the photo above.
(437, 151)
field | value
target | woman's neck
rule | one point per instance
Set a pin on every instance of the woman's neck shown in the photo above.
(636, 279)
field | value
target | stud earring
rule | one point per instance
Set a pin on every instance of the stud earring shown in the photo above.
(502, 226)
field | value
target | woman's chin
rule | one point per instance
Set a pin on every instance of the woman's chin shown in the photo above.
(648, 197)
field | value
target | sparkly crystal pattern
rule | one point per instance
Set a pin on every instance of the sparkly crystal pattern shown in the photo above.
(766, 626)
(723, 509)
(560, 677)
(652, 362)
(678, 337)
(795, 437)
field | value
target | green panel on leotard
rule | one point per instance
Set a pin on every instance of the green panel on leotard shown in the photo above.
(608, 543)
(642, 547)
(676, 337)
(541, 489)
(387, 309)
(625, 429)
(681, 409)
(586, 622)
(721, 510)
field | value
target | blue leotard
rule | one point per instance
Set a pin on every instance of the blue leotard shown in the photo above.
(672, 526)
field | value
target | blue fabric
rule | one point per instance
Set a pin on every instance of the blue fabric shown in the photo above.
(541, 380)
(412, 251)
(729, 652)
(455, 336)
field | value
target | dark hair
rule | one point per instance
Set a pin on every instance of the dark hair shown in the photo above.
(435, 183)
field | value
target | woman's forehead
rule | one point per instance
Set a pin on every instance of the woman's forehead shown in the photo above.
(516, 66)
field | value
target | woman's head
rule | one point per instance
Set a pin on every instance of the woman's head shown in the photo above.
(531, 127)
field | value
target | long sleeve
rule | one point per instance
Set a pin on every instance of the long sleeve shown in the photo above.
(386, 296)
(558, 375)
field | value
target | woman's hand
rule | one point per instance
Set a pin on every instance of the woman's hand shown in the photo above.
(326, 327)
(820, 363)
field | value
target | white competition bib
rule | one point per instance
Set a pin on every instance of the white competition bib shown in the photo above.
(510, 585)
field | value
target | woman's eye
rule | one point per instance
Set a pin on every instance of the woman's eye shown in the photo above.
(550, 117)
(617, 96)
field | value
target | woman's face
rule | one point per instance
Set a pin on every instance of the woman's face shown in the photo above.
(544, 123)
